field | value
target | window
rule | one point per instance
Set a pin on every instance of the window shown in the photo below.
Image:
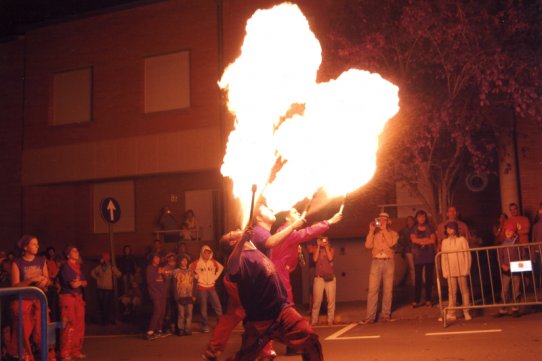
(72, 97)
(167, 82)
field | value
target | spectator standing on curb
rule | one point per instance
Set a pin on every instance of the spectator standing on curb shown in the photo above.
(324, 280)
(103, 274)
(405, 248)
(128, 267)
(72, 282)
(207, 270)
(53, 267)
(185, 294)
(28, 270)
(510, 282)
(381, 239)
(423, 247)
(156, 286)
(456, 268)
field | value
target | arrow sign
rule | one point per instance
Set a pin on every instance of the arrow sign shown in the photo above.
(110, 210)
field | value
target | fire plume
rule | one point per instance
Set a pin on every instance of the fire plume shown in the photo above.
(326, 134)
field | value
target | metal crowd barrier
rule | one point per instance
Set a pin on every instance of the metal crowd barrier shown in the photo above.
(486, 276)
(19, 292)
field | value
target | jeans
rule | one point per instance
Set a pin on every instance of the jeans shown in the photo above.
(381, 272)
(453, 282)
(184, 320)
(510, 294)
(319, 285)
(211, 295)
(429, 271)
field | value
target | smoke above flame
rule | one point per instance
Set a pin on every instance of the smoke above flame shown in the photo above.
(327, 133)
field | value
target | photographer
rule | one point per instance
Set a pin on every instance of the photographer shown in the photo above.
(324, 280)
(381, 240)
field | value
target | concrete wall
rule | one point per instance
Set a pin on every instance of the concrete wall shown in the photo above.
(11, 125)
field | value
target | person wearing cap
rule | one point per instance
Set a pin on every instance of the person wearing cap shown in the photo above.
(510, 282)
(72, 306)
(381, 239)
(207, 270)
(28, 270)
(103, 274)
(456, 263)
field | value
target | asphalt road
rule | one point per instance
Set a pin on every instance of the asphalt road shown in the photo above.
(411, 337)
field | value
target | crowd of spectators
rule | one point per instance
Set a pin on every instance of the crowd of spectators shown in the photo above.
(176, 282)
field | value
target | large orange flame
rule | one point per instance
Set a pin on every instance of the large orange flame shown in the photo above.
(326, 132)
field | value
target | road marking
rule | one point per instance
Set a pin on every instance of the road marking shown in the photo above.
(462, 332)
(336, 335)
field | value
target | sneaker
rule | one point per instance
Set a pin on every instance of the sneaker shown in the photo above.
(389, 319)
(269, 356)
(164, 334)
(366, 322)
(209, 356)
(205, 330)
(467, 316)
(151, 335)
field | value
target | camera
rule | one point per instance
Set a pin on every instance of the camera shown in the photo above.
(377, 222)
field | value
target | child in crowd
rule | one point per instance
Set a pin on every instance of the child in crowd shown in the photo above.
(157, 291)
(170, 318)
(208, 270)
(103, 274)
(131, 299)
(184, 291)
(456, 267)
(507, 255)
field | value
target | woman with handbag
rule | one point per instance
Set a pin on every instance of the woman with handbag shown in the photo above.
(324, 280)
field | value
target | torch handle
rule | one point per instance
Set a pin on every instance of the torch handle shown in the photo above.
(341, 209)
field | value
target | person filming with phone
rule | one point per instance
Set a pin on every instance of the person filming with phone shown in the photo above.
(381, 239)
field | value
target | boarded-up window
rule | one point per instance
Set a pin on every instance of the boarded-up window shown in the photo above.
(72, 97)
(167, 82)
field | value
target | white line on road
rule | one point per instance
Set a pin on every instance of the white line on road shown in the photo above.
(336, 336)
(461, 332)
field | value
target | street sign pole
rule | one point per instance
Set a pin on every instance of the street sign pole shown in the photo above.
(113, 267)
(110, 209)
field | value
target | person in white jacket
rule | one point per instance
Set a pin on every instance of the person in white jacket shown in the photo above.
(456, 263)
(207, 272)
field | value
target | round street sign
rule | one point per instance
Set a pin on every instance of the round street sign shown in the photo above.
(110, 210)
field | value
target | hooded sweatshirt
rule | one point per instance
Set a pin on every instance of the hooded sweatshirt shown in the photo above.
(207, 271)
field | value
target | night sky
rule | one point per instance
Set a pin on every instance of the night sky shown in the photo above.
(17, 15)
